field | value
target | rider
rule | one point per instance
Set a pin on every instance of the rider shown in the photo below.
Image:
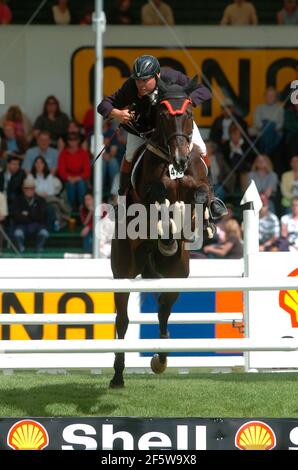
(133, 106)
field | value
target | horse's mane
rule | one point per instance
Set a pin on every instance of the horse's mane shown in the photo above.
(172, 90)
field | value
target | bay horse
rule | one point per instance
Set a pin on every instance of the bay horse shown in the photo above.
(169, 150)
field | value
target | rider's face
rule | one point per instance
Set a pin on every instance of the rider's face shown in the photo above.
(146, 86)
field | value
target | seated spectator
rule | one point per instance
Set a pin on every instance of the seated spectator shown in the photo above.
(73, 127)
(49, 187)
(219, 132)
(289, 14)
(11, 180)
(23, 126)
(269, 228)
(52, 120)
(3, 215)
(231, 247)
(29, 217)
(265, 178)
(291, 129)
(74, 169)
(86, 216)
(289, 185)
(240, 13)
(268, 122)
(122, 13)
(11, 145)
(5, 13)
(237, 155)
(218, 170)
(61, 13)
(43, 149)
(86, 20)
(289, 226)
(110, 163)
(156, 13)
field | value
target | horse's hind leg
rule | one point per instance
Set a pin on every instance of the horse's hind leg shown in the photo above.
(165, 301)
(121, 301)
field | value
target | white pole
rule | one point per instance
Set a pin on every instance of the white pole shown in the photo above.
(252, 204)
(99, 25)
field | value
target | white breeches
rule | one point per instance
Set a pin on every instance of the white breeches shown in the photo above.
(134, 142)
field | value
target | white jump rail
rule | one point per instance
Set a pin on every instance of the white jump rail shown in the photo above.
(109, 318)
(146, 345)
(93, 284)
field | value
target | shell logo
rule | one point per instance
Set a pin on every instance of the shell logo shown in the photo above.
(288, 300)
(255, 435)
(27, 435)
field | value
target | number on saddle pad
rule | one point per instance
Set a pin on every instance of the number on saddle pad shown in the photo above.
(174, 173)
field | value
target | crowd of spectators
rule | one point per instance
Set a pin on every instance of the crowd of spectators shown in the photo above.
(45, 173)
(154, 12)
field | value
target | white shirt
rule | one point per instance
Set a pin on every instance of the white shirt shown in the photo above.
(292, 226)
(61, 17)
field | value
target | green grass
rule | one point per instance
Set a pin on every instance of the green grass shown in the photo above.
(172, 395)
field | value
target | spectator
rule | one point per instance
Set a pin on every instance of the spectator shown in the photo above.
(86, 216)
(86, 20)
(289, 14)
(52, 120)
(74, 169)
(122, 13)
(11, 145)
(289, 184)
(268, 122)
(236, 153)
(110, 164)
(73, 127)
(43, 149)
(157, 12)
(291, 129)
(265, 178)
(3, 215)
(5, 13)
(23, 126)
(219, 132)
(11, 180)
(231, 247)
(289, 226)
(49, 187)
(61, 13)
(29, 217)
(240, 13)
(269, 228)
(218, 170)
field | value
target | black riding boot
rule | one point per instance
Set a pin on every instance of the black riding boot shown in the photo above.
(217, 208)
(125, 173)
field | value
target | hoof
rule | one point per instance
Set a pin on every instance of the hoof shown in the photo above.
(157, 366)
(116, 384)
(167, 250)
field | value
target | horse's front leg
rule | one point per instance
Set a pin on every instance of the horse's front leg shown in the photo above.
(165, 301)
(121, 301)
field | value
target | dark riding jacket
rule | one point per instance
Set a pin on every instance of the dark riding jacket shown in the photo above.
(127, 96)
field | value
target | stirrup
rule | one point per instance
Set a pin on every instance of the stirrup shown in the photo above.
(217, 208)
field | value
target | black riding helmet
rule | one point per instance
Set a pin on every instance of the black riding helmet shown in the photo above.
(144, 67)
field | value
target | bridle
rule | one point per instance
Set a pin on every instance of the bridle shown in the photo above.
(176, 112)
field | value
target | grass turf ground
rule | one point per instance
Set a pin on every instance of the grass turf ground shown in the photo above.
(172, 395)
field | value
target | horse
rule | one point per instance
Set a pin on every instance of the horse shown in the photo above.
(169, 172)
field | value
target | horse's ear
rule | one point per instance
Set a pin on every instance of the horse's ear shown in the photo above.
(161, 85)
(192, 85)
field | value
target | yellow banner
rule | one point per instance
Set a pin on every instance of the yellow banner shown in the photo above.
(242, 74)
(63, 303)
